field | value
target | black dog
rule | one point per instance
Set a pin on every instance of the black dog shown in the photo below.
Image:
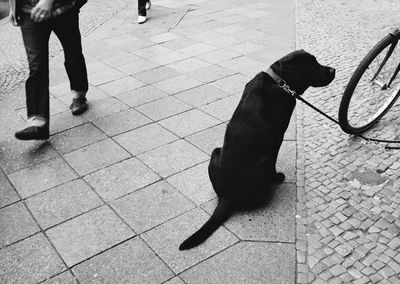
(243, 170)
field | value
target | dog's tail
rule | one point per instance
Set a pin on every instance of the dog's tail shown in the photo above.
(221, 213)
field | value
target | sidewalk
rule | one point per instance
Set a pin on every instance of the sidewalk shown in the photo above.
(112, 194)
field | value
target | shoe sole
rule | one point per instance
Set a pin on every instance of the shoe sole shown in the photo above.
(80, 111)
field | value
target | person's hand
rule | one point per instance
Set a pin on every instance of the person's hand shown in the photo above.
(12, 19)
(42, 10)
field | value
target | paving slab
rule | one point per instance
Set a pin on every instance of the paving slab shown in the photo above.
(173, 158)
(8, 194)
(16, 223)
(29, 261)
(130, 262)
(163, 108)
(247, 262)
(222, 109)
(151, 206)
(166, 239)
(209, 139)
(42, 176)
(201, 95)
(141, 96)
(63, 278)
(86, 160)
(88, 234)
(62, 203)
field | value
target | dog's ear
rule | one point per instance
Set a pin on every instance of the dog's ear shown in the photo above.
(277, 67)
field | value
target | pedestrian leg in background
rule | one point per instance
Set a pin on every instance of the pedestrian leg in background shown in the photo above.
(36, 42)
(66, 27)
(143, 5)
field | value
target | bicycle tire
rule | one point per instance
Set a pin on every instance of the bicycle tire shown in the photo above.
(344, 121)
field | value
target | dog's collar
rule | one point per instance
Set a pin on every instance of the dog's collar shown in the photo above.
(281, 83)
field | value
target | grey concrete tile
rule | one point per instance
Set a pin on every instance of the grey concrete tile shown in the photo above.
(201, 95)
(197, 49)
(165, 240)
(209, 139)
(210, 73)
(245, 48)
(157, 74)
(242, 63)
(65, 120)
(96, 156)
(151, 206)
(175, 280)
(94, 94)
(88, 235)
(150, 51)
(222, 42)
(233, 84)
(121, 179)
(141, 96)
(16, 223)
(247, 263)
(29, 261)
(231, 29)
(172, 158)
(56, 106)
(8, 194)
(103, 108)
(137, 66)
(168, 58)
(275, 222)
(63, 278)
(163, 108)
(222, 109)
(42, 176)
(287, 160)
(76, 138)
(188, 65)
(194, 183)
(179, 43)
(121, 58)
(129, 262)
(145, 138)
(121, 40)
(121, 122)
(164, 37)
(62, 203)
(177, 84)
(105, 76)
(188, 122)
(203, 36)
(17, 155)
(121, 85)
(93, 67)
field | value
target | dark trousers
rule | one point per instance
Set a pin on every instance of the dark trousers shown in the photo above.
(142, 7)
(36, 41)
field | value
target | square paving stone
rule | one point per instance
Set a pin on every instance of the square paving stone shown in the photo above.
(165, 240)
(121, 85)
(8, 194)
(16, 223)
(188, 122)
(188, 65)
(62, 203)
(286, 162)
(163, 108)
(209, 139)
(42, 176)
(121, 179)
(88, 235)
(106, 75)
(145, 138)
(194, 183)
(175, 280)
(129, 262)
(76, 138)
(201, 95)
(29, 261)
(141, 96)
(169, 57)
(157, 74)
(151, 206)
(103, 108)
(275, 222)
(219, 55)
(63, 278)
(222, 109)
(96, 156)
(172, 158)
(177, 84)
(64, 121)
(210, 73)
(137, 66)
(233, 84)
(247, 263)
(121, 122)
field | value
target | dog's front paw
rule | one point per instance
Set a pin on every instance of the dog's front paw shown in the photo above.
(279, 177)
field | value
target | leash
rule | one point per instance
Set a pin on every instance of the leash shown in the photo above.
(282, 84)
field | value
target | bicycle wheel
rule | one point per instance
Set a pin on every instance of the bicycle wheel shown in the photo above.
(373, 88)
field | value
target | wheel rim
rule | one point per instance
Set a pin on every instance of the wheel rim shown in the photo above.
(371, 97)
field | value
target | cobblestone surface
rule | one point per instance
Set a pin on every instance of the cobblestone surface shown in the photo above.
(349, 207)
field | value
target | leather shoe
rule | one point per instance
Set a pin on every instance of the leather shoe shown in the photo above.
(33, 133)
(78, 106)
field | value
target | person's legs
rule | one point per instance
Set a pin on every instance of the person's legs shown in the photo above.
(142, 11)
(66, 27)
(36, 42)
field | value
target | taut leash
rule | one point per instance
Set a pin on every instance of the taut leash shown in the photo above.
(282, 84)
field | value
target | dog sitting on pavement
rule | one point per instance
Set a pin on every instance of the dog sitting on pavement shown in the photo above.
(243, 171)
